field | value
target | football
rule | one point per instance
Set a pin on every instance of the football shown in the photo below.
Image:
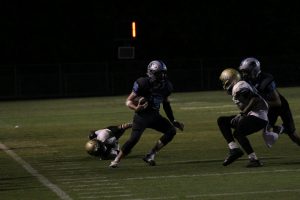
(140, 99)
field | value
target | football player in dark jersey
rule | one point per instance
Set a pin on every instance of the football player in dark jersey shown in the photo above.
(154, 90)
(252, 118)
(104, 143)
(266, 86)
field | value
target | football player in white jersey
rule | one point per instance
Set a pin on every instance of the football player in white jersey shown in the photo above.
(252, 117)
(104, 143)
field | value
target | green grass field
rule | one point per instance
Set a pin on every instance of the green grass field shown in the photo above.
(43, 157)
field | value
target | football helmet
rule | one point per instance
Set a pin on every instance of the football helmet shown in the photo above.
(250, 68)
(229, 77)
(157, 70)
(95, 147)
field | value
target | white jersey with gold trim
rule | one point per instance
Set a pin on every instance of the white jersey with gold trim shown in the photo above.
(239, 90)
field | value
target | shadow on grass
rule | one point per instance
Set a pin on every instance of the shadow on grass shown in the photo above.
(219, 160)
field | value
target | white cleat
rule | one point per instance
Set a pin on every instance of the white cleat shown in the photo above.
(114, 164)
(270, 138)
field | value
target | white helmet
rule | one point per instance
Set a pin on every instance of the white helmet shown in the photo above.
(157, 70)
(250, 68)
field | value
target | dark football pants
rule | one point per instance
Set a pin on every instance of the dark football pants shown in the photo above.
(246, 126)
(284, 112)
(153, 120)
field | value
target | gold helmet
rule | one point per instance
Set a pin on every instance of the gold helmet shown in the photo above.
(95, 147)
(229, 77)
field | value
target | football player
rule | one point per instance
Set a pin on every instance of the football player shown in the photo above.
(104, 143)
(155, 89)
(252, 117)
(266, 86)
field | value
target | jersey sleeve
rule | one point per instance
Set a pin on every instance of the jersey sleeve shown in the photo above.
(139, 86)
(267, 84)
(170, 88)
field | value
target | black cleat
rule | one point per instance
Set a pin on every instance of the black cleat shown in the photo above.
(254, 163)
(233, 155)
(149, 158)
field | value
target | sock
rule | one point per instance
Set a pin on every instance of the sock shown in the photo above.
(233, 145)
(157, 147)
(152, 155)
(252, 156)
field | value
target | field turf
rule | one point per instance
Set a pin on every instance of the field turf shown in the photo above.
(42, 155)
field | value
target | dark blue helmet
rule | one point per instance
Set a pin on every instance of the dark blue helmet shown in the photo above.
(250, 68)
(157, 70)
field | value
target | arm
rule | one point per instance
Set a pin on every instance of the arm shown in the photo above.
(268, 87)
(254, 100)
(169, 112)
(130, 103)
(274, 99)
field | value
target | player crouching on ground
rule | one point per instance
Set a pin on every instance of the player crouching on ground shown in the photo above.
(104, 143)
(252, 118)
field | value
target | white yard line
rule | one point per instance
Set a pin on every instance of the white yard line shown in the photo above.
(206, 107)
(54, 188)
(155, 198)
(94, 184)
(220, 194)
(211, 174)
(241, 193)
(81, 178)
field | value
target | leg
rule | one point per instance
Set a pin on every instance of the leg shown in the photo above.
(225, 126)
(288, 122)
(224, 123)
(163, 125)
(139, 125)
(249, 125)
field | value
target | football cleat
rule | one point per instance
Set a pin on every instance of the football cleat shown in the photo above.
(114, 164)
(149, 158)
(233, 155)
(270, 138)
(254, 163)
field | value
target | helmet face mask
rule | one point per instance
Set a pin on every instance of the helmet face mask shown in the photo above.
(250, 68)
(95, 147)
(229, 77)
(157, 70)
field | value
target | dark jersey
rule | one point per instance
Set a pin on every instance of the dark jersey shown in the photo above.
(265, 85)
(153, 92)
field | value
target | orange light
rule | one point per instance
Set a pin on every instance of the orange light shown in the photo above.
(133, 29)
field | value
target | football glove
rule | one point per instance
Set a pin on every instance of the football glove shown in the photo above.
(178, 125)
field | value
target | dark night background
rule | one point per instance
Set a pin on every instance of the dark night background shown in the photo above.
(70, 48)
